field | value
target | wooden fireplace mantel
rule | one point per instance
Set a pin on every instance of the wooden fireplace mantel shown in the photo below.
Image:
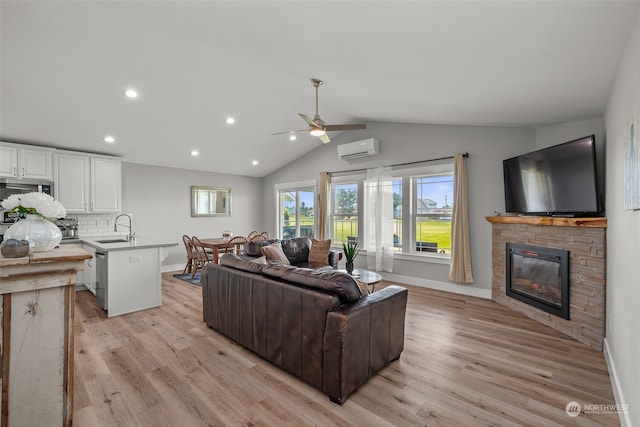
(592, 222)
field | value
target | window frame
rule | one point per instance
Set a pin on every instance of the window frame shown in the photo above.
(415, 215)
(357, 180)
(409, 206)
(294, 187)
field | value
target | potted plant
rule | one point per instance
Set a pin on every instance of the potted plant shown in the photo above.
(351, 251)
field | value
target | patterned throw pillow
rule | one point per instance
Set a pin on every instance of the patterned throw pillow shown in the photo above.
(274, 252)
(319, 252)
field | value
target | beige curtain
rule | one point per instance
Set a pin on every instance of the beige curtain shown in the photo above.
(460, 270)
(323, 205)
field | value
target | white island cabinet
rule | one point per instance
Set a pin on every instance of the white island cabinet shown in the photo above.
(127, 274)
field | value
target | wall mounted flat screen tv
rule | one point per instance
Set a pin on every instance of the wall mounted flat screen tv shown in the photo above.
(555, 181)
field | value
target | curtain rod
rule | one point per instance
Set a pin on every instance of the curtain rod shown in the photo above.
(466, 155)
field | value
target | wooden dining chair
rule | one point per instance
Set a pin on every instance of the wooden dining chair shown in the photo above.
(259, 237)
(236, 245)
(253, 234)
(202, 257)
(191, 256)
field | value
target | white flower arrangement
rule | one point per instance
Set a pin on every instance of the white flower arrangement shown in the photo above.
(35, 203)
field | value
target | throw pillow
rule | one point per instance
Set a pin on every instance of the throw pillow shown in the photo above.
(319, 252)
(273, 252)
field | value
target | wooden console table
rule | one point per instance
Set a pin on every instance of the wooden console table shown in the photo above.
(37, 299)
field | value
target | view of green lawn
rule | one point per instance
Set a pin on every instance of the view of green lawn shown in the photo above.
(428, 231)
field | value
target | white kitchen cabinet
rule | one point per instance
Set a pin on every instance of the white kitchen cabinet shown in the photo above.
(87, 184)
(8, 161)
(19, 162)
(105, 185)
(89, 273)
(72, 182)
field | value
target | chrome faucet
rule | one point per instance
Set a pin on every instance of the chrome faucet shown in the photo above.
(132, 236)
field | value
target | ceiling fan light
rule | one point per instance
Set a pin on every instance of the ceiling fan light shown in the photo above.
(317, 131)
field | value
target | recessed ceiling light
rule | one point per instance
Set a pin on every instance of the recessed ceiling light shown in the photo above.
(230, 120)
(292, 138)
(109, 139)
(130, 93)
(194, 153)
(255, 162)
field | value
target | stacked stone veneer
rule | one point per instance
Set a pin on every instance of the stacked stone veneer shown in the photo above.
(587, 267)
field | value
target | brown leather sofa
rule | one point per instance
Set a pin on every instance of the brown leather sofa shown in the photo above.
(296, 250)
(314, 324)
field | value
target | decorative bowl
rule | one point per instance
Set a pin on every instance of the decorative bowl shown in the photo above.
(14, 248)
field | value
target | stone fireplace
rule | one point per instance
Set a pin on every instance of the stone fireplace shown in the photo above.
(539, 283)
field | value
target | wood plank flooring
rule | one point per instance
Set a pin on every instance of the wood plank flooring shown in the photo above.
(467, 362)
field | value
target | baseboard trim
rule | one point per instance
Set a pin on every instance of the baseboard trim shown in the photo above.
(615, 385)
(469, 290)
(174, 267)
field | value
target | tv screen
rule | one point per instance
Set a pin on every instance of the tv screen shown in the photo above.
(559, 180)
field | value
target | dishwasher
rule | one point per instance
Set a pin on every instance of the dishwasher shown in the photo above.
(102, 278)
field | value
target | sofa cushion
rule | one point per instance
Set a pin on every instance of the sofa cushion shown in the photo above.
(335, 282)
(274, 252)
(234, 261)
(297, 249)
(319, 252)
(253, 248)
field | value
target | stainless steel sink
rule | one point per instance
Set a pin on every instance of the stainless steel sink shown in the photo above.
(113, 241)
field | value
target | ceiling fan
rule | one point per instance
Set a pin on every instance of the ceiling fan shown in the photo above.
(317, 126)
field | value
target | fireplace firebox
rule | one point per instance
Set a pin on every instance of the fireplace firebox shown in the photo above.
(539, 277)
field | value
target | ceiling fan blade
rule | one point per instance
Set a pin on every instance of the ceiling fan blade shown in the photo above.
(291, 131)
(324, 138)
(345, 127)
(308, 120)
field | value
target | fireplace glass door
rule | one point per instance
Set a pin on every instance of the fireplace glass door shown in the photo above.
(539, 277)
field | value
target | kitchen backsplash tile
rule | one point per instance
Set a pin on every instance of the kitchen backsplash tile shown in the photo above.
(98, 225)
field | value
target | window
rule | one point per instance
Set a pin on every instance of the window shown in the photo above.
(422, 209)
(397, 215)
(433, 197)
(296, 211)
(344, 212)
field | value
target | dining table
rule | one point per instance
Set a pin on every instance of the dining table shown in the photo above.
(215, 243)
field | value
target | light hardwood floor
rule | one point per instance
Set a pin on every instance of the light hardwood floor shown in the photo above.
(466, 362)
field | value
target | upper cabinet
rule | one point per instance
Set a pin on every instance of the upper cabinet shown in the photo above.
(87, 184)
(18, 161)
(105, 185)
(72, 182)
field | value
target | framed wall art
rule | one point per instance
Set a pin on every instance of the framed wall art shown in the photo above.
(632, 162)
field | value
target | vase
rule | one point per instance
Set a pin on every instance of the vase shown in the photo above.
(349, 267)
(42, 234)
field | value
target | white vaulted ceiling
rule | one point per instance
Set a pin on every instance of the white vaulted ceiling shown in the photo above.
(64, 65)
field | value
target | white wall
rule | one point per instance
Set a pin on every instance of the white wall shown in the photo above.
(622, 343)
(487, 147)
(159, 199)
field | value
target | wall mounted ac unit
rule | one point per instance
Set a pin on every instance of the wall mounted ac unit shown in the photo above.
(354, 150)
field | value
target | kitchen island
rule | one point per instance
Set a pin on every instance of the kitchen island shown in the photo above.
(37, 299)
(127, 273)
